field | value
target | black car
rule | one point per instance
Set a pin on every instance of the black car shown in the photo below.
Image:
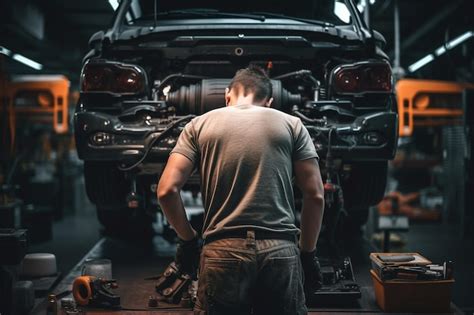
(162, 62)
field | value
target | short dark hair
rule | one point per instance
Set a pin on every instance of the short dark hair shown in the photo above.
(255, 80)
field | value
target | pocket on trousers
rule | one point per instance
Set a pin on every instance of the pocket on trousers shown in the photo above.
(222, 280)
(287, 286)
(284, 261)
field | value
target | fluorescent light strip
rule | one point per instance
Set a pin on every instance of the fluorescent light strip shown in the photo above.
(5, 51)
(420, 63)
(458, 40)
(440, 50)
(27, 61)
(114, 4)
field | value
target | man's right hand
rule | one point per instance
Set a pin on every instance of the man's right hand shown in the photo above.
(313, 279)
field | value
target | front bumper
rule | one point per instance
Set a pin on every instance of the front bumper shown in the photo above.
(370, 137)
(101, 137)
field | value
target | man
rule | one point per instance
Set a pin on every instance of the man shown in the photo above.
(247, 155)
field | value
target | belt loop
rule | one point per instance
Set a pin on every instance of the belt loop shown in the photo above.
(251, 238)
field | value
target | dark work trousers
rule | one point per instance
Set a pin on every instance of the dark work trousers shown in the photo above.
(249, 276)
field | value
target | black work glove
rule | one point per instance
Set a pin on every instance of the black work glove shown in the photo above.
(313, 279)
(187, 256)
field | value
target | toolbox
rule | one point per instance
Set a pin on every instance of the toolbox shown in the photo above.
(339, 285)
(432, 296)
(10, 215)
(13, 245)
(380, 261)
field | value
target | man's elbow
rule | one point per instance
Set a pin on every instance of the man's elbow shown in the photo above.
(165, 192)
(316, 198)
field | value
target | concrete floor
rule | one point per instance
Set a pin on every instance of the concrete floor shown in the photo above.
(79, 231)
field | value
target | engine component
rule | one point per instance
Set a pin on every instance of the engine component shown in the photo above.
(208, 94)
(173, 285)
(88, 290)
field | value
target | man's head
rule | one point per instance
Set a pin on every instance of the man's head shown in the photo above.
(249, 86)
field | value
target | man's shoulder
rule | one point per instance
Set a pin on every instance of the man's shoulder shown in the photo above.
(210, 115)
(293, 120)
(268, 112)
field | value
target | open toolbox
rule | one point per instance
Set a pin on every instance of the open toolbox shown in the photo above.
(339, 285)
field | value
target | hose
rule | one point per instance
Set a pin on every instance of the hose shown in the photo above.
(179, 76)
(307, 119)
(160, 137)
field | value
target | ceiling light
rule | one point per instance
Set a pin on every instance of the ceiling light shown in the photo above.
(5, 51)
(114, 4)
(27, 61)
(341, 11)
(440, 50)
(458, 40)
(420, 63)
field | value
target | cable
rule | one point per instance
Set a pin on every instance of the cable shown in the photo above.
(154, 140)
(307, 119)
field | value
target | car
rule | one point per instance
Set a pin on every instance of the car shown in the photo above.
(163, 62)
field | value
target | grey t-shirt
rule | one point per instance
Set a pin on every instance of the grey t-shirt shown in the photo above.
(245, 157)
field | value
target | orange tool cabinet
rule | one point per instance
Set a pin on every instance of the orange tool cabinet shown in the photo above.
(428, 103)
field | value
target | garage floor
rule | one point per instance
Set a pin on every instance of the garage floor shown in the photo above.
(78, 237)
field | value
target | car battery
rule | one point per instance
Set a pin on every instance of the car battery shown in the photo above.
(13, 245)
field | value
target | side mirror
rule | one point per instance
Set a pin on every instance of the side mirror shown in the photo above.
(379, 39)
(96, 38)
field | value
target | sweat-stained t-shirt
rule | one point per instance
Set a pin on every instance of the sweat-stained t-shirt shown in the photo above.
(245, 156)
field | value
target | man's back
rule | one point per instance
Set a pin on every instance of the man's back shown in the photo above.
(245, 155)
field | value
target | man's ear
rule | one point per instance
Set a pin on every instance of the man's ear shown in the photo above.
(269, 102)
(227, 96)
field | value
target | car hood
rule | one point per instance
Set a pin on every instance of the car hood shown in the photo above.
(236, 26)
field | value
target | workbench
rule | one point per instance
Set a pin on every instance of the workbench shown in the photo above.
(133, 262)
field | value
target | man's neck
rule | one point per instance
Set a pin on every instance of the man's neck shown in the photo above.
(242, 100)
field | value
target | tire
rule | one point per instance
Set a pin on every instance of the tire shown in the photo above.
(353, 222)
(107, 188)
(106, 185)
(126, 223)
(365, 186)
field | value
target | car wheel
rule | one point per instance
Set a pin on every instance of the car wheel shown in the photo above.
(365, 186)
(105, 184)
(126, 223)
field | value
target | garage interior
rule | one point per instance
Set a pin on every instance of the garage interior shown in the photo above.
(416, 201)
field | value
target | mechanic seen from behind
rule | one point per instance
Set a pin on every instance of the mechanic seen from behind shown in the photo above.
(247, 155)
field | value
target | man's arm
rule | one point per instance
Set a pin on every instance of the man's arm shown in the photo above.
(308, 179)
(174, 176)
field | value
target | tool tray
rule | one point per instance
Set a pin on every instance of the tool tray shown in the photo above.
(339, 285)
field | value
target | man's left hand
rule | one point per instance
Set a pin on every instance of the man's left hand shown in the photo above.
(187, 256)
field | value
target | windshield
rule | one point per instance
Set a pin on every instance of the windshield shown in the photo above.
(330, 11)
